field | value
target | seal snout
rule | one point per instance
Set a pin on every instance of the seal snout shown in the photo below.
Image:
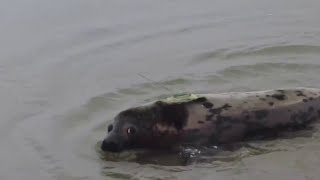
(109, 145)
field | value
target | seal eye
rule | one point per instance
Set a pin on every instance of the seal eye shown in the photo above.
(131, 131)
(110, 127)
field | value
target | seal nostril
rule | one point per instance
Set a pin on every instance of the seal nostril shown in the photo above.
(110, 146)
(110, 127)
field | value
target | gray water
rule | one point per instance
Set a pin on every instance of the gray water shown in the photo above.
(67, 67)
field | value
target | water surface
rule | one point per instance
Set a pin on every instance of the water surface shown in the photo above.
(67, 67)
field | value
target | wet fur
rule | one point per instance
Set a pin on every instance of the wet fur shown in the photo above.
(232, 117)
(227, 117)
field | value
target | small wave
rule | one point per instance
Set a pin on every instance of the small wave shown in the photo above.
(106, 44)
(257, 51)
(262, 68)
(118, 175)
(275, 50)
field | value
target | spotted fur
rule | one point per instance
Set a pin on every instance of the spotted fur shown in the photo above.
(226, 117)
(239, 114)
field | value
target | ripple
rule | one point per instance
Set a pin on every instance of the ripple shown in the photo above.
(261, 68)
(226, 53)
(116, 175)
(275, 50)
(125, 40)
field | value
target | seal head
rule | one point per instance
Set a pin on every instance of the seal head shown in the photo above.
(130, 129)
(156, 125)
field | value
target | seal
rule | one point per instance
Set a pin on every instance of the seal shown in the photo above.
(212, 118)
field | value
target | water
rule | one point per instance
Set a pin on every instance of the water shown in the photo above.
(67, 67)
